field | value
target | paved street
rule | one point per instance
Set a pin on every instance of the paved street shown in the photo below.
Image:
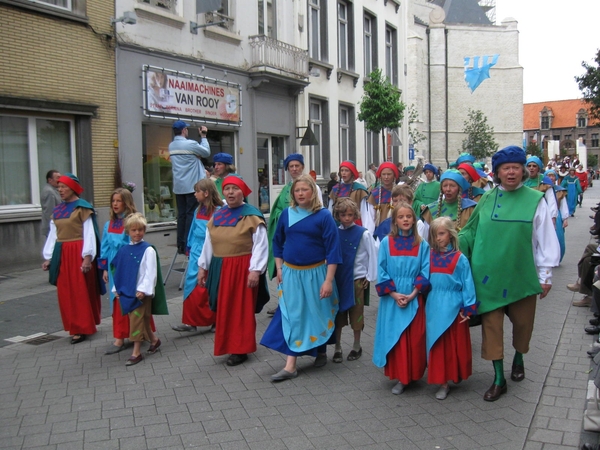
(61, 396)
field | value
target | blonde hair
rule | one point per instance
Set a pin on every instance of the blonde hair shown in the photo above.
(127, 201)
(395, 231)
(343, 205)
(315, 203)
(214, 199)
(135, 220)
(448, 224)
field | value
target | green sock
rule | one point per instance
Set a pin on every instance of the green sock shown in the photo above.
(499, 372)
(518, 359)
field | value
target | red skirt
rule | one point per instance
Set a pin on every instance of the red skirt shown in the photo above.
(196, 309)
(236, 303)
(407, 360)
(450, 358)
(78, 293)
(121, 322)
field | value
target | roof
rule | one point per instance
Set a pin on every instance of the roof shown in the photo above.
(463, 12)
(564, 113)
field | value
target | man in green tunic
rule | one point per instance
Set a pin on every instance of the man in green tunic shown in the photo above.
(429, 190)
(512, 246)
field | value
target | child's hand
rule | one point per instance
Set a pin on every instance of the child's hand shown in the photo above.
(463, 317)
(139, 295)
(105, 276)
(202, 277)
(326, 289)
(365, 283)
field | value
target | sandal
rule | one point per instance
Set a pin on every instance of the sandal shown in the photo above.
(354, 355)
(337, 357)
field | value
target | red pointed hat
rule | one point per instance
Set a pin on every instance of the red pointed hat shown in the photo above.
(388, 165)
(351, 166)
(72, 181)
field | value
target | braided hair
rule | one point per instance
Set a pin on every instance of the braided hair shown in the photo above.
(458, 208)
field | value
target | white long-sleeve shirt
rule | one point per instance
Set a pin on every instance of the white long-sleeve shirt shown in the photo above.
(89, 240)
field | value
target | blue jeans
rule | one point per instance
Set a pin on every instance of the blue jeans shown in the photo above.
(186, 204)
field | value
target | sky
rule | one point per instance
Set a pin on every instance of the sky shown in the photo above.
(555, 36)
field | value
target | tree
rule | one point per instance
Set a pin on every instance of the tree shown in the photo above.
(413, 132)
(592, 160)
(480, 140)
(380, 107)
(589, 85)
(534, 150)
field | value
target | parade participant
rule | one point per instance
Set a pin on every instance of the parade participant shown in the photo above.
(573, 186)
(233, 257)
(536, 181)
(562, 217)
(49, 199)
(187, 168)
(139, 286)
(307, 252)
(428, 190)
(512, 223)
(196, 309)
(563, 171)
(449, 304)
(347, 187)
(583, 180)
(465, 158)
(371, 176)
(223, 166)
(381, 196)
(409, 170)
(352, 277)
(452, 186)
(473, 176)
(402, 193)
(113, 238)
(402, 279)
(69, 253)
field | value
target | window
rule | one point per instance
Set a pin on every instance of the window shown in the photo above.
(594, 139)
(319, 122)
(66, 4)
(347, 141)
(29, 147)
(391, 55)
(168, 5)
(222, 14)
(317, 26)
(567, 137)
(370, 43)
(545, 125)
(372, 147)
(345, 36)
(266, 18)
(68, 9)
(581, 122)
(555, 137)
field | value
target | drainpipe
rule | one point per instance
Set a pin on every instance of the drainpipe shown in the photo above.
(429, 90)
(446, 93)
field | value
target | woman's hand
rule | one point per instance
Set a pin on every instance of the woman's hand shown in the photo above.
(105, 276)
(565, 223)
(46, 265)
(253, 277)
(86, 265)
(326, 289)
(201, 277)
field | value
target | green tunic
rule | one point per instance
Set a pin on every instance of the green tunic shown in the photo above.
(533, 182)
(497, 242)
(428, 192)
(282, 202)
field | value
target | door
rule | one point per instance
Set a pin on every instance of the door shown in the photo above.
(271, 174)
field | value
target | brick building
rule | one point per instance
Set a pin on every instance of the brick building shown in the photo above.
(57, 110)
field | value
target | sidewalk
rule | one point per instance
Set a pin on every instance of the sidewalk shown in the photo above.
(61, 396)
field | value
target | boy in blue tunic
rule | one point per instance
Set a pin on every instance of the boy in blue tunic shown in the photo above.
(138, 286)
(358, 268)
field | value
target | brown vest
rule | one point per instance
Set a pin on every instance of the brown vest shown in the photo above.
(234, 241)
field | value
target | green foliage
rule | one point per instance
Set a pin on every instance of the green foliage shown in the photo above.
(534, 150)
(589, 85)
(413, 117)
(592, 160)
(480, 140)
(381, 107)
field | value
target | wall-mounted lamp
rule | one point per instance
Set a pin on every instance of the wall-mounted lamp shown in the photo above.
(128, 18)
(308, 138)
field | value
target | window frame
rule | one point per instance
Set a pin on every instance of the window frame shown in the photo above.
(347, 129)
(264, 13)
(545, 122)
(391, 54)
(77, 11)
(320, 8)
(34, 169)
(371, 36)
(372, 147)
(319, 152)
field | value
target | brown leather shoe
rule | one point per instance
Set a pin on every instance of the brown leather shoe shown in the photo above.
(494, 392)
(518, 373)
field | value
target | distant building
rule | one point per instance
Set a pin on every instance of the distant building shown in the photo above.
(565, 121)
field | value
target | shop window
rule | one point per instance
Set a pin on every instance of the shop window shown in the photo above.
(159, 199)
(29, 147)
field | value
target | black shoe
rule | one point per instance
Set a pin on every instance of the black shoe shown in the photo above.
(592, 329)
(236, 360)
(517, 373)
(587, 446)
(593, 351)
(494, 392)
(595, 321)
(77, 340)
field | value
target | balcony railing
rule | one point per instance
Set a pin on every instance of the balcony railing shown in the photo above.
(274, 54)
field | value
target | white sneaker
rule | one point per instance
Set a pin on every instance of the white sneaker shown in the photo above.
(399, 388)
(442, 393)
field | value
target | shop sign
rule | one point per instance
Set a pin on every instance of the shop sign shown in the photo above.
(178, 95)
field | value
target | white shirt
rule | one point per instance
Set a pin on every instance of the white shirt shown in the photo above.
(147, 273)
(89, 240)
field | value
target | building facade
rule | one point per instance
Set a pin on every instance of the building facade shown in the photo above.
(57, 110)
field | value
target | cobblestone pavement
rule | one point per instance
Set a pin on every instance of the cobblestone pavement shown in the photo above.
(61, 396)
